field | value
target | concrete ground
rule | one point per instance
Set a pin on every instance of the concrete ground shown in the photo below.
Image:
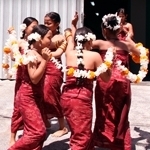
(139, 119)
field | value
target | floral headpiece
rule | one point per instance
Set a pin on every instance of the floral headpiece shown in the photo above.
(105, 21)
(22, 28)
(80, 38)
(34, 36)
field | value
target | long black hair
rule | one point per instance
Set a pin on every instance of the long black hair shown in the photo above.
(27, 21)
(81, 31)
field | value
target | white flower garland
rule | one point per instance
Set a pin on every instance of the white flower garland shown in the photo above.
(143, 67)
(105, 21)
(108, 60)
(13, 46)
(58, 64)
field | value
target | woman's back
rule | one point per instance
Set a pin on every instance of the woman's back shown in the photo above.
(91, 59)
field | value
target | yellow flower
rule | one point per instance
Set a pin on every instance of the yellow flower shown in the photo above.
(70, 72)
(92, 75)
(7, 50)
(147, 51)
(15, 66)
(139, 44)
(6, 66)
(108, 64)
(138, 79)
(135, 58)
(125, 72)
(143, 57)
(13, 42)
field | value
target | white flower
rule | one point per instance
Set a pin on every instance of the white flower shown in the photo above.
(90, 36)
(34, 36)
(23, 27)
(80, 37)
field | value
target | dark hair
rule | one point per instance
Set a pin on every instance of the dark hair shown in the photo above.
(111, 22)
(41, 30)
(55, 17)
(121, 10)
(81, 31)
(28, 21)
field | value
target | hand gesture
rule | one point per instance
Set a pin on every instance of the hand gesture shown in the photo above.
(75, 19)
(46, 53)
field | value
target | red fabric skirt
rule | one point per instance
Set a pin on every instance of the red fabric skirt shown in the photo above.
(52, 91)
(16, 120)
(77, 107)
(29, 100)
(112, 107)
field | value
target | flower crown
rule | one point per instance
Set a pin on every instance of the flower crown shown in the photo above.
(88, 37)
(105, 21)
(22, 28)
(80, 38)
(34, 36)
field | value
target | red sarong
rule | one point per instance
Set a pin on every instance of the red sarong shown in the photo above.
(52, 91)
(29, 100)
(112, 107)
(77, 107)
(16, 120)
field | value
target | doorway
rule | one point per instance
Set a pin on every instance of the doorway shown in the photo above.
(94, 10)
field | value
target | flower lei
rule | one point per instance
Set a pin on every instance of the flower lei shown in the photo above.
(143, 66)
(19, 49)
(105, 21)
(22, 28)
(89, 74)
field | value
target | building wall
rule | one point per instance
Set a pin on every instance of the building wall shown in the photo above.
(13, 12)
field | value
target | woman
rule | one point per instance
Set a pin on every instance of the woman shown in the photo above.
(29, 98)
(126, 27)
(16, 121)
(113, 99)
(54, 79)
(77, 93)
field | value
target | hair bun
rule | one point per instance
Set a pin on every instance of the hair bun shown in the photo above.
(111, 21)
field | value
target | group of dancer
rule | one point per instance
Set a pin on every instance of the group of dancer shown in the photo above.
(38, 95)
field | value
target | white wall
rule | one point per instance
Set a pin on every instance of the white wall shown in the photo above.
(13, 12)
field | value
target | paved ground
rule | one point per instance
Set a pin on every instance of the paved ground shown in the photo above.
(139, 119)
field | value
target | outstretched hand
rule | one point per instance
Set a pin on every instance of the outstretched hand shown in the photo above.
(75, 19)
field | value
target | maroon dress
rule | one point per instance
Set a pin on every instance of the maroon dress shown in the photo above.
(77, 107)
(29, 99)
(16, 120)
(112, 108)
(52, 91)
(122, 35)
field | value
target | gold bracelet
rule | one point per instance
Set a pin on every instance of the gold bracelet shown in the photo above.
(67, 34)
(63, 46)
(57, 44)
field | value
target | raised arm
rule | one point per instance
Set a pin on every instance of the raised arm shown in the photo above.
(36, 68)
(69, 33)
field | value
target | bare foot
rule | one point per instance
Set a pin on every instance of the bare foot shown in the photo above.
(11, 143)
(60, 133)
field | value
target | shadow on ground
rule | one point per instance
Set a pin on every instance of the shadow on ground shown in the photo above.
(143, 135)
